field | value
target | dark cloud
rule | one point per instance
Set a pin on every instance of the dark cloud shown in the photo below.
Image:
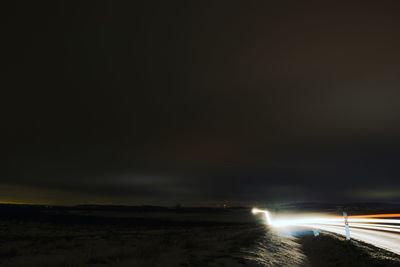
(200, 102)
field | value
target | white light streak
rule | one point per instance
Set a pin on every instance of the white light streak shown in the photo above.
(380, 232)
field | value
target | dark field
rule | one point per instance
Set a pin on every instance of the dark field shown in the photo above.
(156, 236)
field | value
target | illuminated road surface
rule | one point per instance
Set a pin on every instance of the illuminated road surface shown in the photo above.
(381, 230)
(378, 238)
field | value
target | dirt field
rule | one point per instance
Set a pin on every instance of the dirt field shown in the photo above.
(222, 238)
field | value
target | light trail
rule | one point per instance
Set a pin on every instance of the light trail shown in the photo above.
(387, 215)
(380, 230)
(267, 217)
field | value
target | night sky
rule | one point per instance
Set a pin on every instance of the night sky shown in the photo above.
(200, 102)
